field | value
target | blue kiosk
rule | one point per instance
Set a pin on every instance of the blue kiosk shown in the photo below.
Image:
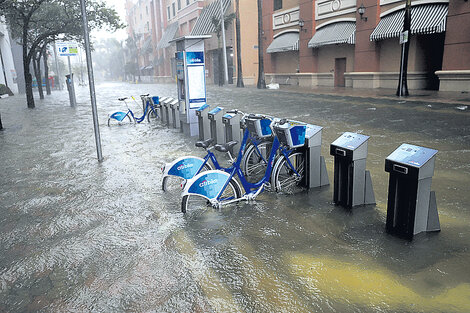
(191, 80)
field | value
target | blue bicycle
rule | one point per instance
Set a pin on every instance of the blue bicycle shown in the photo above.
(254, 155)
(150, 106)
(285, 169)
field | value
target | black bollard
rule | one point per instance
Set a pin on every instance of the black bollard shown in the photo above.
(1, 126)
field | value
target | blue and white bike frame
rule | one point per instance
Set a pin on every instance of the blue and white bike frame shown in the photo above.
(189, 166)
(211, 184)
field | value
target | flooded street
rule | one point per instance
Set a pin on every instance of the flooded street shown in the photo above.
(78, 235)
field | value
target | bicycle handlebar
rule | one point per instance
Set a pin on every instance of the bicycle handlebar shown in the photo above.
(142, 96)
(122, 99)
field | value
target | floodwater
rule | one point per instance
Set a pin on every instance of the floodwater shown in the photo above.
(78, 235)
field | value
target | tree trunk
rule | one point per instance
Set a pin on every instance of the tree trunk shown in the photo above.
(261, 82)
(46, 70)
(37, 73)
(28, 79)
(239, 49)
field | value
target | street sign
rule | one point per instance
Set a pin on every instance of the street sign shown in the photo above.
(403, 37)
(67, 49)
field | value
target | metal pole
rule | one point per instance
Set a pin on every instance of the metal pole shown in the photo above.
(402, 89)
(224, 49)
(91, 81)
(57, 67)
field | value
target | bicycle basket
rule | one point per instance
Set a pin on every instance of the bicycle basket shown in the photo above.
(291, 134)
(259, 127)
(156, 100)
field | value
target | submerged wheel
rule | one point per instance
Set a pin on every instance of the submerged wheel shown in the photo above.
(173, 183)
(151, 116)
(117, 122)
(255, 160)
(194, 202)
(283, 178)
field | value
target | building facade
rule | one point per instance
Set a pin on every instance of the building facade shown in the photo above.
(328, 43)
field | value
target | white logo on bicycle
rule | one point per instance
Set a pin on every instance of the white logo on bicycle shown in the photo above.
(184, 166)
(208, 182)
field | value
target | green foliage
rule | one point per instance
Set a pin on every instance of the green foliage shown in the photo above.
(5, 90)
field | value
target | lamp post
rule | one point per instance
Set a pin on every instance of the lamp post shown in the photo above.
(91, 81)
(224, 43)
(402, 90)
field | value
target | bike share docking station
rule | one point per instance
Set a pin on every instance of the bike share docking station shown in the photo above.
(216, 125)
(203, 122)
(308, 138)
(165, 114)
(352, 183)
(191, 80)
(232, 130)
(174, 114)
(411, 206)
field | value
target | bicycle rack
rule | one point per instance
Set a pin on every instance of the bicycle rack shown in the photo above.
(411, 206)
(216, 126)
(316, 175)
(203, 122)
(166, 111)
(352, 183)
(231, 123)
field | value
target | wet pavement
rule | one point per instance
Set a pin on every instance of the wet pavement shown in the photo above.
(78, 235)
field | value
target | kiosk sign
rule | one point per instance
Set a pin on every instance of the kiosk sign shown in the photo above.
(66, 49)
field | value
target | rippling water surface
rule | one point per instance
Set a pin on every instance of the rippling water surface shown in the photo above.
(78, 235)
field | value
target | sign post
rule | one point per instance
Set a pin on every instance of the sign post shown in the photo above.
(69, 49)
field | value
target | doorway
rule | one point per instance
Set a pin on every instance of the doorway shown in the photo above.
(340, 69)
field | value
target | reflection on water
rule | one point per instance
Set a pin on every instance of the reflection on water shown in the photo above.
(77, 235)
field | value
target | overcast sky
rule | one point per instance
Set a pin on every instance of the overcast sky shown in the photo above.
(118, 5)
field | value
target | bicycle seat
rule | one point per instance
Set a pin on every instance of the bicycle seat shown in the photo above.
(145, 95)
(122, 99)
(204, 144)
(226, 146)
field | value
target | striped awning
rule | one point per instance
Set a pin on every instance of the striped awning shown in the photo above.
(425, 19)
(204, 24)
(336, 33)
(284, 42)
(168, 35)
(147, 46)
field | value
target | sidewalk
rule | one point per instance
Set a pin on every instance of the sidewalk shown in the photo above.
(433, 96)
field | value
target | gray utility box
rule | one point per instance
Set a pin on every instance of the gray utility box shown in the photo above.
(217, 128)
(165, 111)
(175, 114)
(411, 206)
(203, 122)
(316, 175)
(231, 122)
(352, 183)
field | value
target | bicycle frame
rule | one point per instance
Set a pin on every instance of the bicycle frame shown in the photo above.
(188, 167)
(204, 183)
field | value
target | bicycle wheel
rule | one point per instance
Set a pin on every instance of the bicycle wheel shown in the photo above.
(283, 178)
(173, 183)
(113, 121)
(194, 202)
(152, 116)
(254, 161)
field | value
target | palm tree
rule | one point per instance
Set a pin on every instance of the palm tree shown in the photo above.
(261, 82)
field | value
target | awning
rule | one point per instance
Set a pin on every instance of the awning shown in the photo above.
(284, 42)
(336, 33)
(147, 46)
(168, 35)
(425, 19)
(204, 24)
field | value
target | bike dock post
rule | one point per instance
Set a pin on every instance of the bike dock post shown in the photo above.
(165, 111)
(203, 122)
(316, 174)
(411, 207)
(217, 128)
(175, 116)
(352, 183)
(231, 122)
